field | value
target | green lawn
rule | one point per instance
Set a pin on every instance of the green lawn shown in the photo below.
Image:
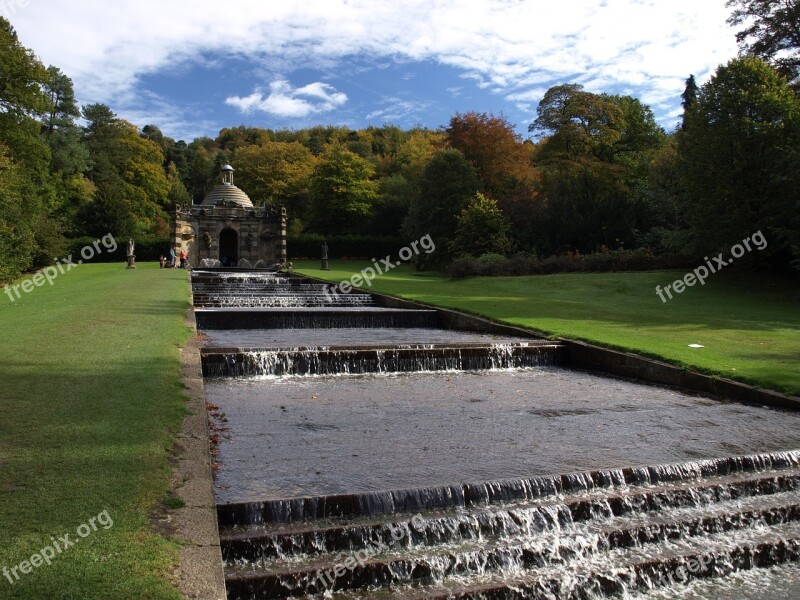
(749, 324)
(91, 400)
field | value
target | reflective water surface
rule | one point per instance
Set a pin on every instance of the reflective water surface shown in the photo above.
(307, 436)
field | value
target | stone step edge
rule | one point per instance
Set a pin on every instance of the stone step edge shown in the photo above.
(311, 508)
(240, 542)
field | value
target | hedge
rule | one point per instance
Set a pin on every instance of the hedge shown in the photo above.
(309, 245)
(526, 264)
(147, 249)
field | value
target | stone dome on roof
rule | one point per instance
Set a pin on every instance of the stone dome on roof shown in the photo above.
(230, 194)
(227, 192)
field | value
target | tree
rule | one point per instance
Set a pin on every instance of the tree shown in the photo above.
(490, 143)
(276, 173)
(689, 98)
(128, 174)
(739, 156)
(578, 122)
(177, 191)
(25, 156)
(447, 184)
(602, 126)
(63, 109)
(145, 183)
(482, 229)
(771, 31)
(16, 231)
(597, 152)
(23, 77)
(342, 194)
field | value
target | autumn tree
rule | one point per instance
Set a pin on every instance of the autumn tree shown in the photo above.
(276, 174)
(495, 150)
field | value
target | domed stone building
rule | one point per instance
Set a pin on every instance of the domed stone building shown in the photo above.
(227, 228)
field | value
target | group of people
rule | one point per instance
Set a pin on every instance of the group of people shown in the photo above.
(172, 261)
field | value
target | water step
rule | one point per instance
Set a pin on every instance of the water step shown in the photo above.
(335, 360)
(548, 561)
(616, 574)
(497, 493)
(572, 536)
(283, 301)
(305, 318)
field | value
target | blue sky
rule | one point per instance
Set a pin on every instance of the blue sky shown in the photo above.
(192, 68)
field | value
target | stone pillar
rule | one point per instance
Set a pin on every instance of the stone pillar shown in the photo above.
(282, 236)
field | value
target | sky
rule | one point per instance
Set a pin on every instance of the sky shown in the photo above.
(194, 67)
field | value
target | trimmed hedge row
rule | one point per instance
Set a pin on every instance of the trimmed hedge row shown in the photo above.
(147, 249)
(527, 264)
(309, 245)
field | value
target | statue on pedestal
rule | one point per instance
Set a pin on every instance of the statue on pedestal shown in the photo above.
(131, 257)
(324, 266)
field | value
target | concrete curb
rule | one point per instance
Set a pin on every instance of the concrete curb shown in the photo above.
(200, 573)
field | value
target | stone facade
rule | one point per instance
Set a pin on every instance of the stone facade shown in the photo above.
(226, 227)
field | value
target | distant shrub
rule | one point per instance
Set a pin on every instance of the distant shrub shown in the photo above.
(571, 262)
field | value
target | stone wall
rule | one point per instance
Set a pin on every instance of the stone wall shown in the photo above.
(261, 232)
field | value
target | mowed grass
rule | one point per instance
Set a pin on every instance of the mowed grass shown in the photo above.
(748, 324)
(91, 400)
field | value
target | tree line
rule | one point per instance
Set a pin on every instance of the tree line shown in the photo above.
(598, 175)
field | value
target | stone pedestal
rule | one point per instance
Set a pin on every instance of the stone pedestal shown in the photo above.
(324, 266)
(131, 262)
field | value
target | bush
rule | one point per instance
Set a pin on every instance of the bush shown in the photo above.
(309, 245)
(572, 262)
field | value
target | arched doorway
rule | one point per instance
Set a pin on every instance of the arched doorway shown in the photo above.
(229, 248)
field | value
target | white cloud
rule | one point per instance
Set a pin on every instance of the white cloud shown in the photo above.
(509, 47)
(286, 101)
(396, 109)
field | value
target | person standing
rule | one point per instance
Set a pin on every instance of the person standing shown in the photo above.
(172, 257)
(183, 258)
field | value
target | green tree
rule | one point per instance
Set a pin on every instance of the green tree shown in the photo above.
(25, 155)
(770, 29)
(446, 186)
(595, 156)
(482, 229)
(579, 123)
(177, 191)
(689, 98)
(740, 156)
(16, 231)
(146, 187)
(342, 192)
(129, 176)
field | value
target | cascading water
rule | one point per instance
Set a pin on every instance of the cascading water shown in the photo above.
(636, 530)
(398, 359)
(591, 535)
